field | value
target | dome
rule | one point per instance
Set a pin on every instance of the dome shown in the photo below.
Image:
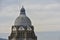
(22, 20)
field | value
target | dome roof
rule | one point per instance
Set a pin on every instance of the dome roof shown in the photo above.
(22, 19)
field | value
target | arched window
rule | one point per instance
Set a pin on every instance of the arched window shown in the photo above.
(29, 28)
(14, 29)
(21, 28)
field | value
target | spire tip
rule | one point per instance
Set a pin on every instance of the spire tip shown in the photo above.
(22, 6)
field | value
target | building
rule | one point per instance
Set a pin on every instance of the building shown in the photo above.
(22, 28)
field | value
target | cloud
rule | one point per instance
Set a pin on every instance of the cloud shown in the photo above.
(44, 7)
(44, 17)
(7, 16)
(8, 2)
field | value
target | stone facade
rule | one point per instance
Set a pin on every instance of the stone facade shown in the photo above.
(22, 28)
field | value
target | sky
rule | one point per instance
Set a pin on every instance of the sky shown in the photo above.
(44, 14)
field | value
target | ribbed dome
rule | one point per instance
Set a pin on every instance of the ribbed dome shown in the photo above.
(22, 19)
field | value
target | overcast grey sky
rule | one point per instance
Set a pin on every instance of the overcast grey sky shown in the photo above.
(44, 14)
